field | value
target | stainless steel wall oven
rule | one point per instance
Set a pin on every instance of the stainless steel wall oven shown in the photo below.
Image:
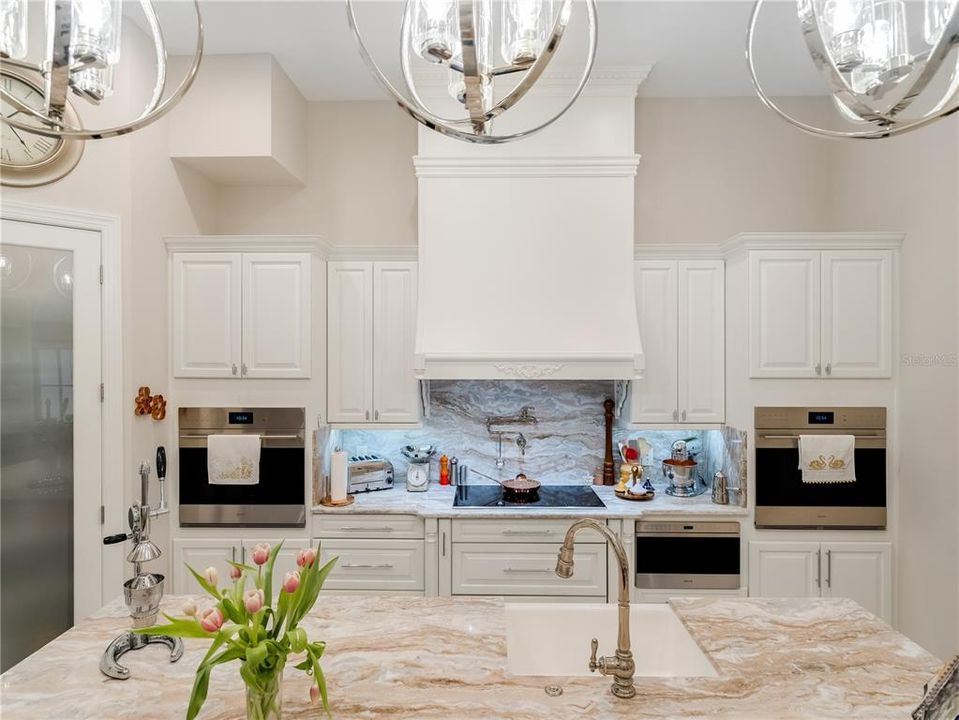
(278, 500)
(783, 500)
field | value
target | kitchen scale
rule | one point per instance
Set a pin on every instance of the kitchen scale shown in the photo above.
(418, 471)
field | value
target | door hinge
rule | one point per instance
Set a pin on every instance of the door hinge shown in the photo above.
(103, 515)
(101, 392)
(101, 274)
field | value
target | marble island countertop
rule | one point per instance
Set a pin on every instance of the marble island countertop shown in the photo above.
(437, 502)
(445, 658)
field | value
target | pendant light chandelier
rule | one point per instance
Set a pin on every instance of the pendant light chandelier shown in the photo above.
(478, 47)
(81, 51)
(880, 59)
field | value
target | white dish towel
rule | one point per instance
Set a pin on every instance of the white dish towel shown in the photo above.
(233, 459)
(827, 458)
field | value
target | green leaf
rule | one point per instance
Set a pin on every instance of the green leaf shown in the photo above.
(232, 612)
(203, 583)
(308, 591)
(320, 682)
(298, 639)
(256, 654)
(268, 580)
(177, 627)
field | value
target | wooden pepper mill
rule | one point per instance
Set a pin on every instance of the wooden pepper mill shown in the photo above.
(609, 470)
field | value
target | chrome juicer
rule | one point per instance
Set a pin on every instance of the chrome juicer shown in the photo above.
(143, 591)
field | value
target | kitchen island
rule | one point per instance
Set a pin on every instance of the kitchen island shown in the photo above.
(445, 658)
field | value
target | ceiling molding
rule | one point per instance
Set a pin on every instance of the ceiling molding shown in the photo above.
(812, 241)
(570, 166)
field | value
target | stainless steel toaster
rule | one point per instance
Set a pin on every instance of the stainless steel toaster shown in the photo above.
(368, 472)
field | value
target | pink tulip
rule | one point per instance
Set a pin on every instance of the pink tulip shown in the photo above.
(212, 576)
(253, 601)
(189, 609)
(305, 558)
(314, 694)
(235, 572)
(211, 619)
(261, 553)
(291, 582)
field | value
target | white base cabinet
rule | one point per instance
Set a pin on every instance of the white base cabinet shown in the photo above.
(860, 571)
(680, 308)
(201, 553)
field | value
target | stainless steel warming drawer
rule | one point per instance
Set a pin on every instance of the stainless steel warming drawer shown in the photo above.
(688, 555)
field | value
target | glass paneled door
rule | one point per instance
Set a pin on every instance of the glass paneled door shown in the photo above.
(50, 425)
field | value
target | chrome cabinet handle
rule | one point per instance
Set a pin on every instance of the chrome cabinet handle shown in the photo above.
(829, 368)
(242, 368)
(527, 532)
(684, 416)
(675, 415)
(234, 553)
(376, 414)
(819, 568)
(369, 566)
(819, 368)
(353, 528)
(829, 568)
(367, 414)
(528, 570)
(234, 368)
(444, 543)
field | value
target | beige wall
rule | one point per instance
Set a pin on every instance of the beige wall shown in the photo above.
(360, 187)
(715, 167)
(912, 184)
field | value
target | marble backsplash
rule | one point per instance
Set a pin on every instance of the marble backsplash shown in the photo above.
(566, 445)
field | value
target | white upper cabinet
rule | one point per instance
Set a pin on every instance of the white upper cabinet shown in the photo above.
(702, 343)
(206, 313)
(350, 341)
(395, 389)
(241, 315)
(784, 314)
(680, 307)
(655, 397)
(820, 313)
(372, 317)
(857, 313)
(276, 315)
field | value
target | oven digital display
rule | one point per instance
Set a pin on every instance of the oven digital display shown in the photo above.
(822, 418)
(243, 418)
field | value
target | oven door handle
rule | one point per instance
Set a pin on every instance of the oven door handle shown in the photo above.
(706, 536)
(262, 437)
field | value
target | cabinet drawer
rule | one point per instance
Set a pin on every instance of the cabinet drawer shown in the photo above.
(521, 530)
(504, 569)
(375, 564)
(368, 526)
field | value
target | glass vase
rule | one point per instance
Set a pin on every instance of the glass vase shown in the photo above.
(266, 701)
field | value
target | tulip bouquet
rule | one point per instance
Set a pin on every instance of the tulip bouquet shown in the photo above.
(246, 625)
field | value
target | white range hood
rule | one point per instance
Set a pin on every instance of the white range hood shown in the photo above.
(526, 249)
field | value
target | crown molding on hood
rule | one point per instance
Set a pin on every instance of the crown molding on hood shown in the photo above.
(511, 366)
(532, 166)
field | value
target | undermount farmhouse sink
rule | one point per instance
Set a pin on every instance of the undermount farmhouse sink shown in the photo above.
(553, 639)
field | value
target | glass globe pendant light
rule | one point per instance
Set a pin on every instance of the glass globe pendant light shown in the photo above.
(880, 59)
(80, 53)
(479, 42)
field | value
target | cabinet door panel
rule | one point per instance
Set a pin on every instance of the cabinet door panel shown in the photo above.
(702, 345)
(784, 314)
(857, 314)
(206, 311)
(784, 569)
(862, 572)
(350, 342)
(375, 564)
(200, 553)
(395, 389)
(276, 315)
(655, 396)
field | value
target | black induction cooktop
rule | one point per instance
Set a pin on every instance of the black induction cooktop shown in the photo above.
(551, 496)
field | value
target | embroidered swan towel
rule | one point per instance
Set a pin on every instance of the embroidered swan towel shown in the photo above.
(233, 459)
(827, 458)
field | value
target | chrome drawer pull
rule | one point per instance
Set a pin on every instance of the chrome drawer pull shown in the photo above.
(384, 566)
(528, 570)
(527, 532)
(353, 528)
